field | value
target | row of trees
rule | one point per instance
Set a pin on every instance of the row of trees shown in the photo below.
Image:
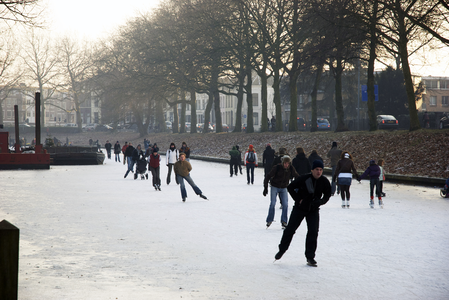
(186, 47)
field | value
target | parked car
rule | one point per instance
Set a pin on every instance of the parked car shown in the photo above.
(444, 121)
(70, 125)
(301, 124)
(103, 128)
(387, 122)
(225, 128)
(90, 127)
(323, 124)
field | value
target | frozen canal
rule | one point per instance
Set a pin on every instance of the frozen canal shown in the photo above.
(88, 233)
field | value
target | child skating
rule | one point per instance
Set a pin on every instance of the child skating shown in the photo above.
(373, 171)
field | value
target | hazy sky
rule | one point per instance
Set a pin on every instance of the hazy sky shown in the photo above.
(94, 19)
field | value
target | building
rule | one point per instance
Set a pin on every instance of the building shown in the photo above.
(435, 96)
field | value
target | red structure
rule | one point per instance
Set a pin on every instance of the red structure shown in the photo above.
(40, 159)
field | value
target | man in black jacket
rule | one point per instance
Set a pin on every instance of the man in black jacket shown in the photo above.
(309, 191)
(129, 156)
(279, 178)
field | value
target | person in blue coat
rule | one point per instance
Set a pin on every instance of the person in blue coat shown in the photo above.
(373, 171)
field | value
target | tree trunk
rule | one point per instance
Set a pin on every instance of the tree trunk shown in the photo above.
(292, 126)
(264, 100)
(238, 113)
(314, 95)
(207, 113)
(338, 96)
(182, 127)
(410, 89)
(277, 100)
(370, 75)
(249, 101)
(193, 119)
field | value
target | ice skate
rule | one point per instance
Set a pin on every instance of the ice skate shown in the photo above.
(284, 225)
(381, 203)
(343, 204)
(371, 202)
(311, 262)
(347, 203)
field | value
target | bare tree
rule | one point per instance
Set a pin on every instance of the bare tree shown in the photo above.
(41, 62)
(20, 11)
(76, 67)
(9, 75)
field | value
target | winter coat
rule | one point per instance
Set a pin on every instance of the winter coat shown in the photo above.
(255, 158)
(129, 151)
(301, 164)
(154, 160)
(186, 150)
(313, 192)
(268, 156)
(373, 171)
(345, 165)
(235, 156)
(334, 154)
(172, 156)
(312, 157)
(138, 154)
(124, 149)
(108, 147)
(116, 148)
(280, 177)
(182, 168)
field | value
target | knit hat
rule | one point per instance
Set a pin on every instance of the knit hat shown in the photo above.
(317, 164)
(334, 144)
(372, 162)
(286, 158)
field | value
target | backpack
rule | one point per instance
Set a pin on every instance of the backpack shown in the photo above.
(251, 157)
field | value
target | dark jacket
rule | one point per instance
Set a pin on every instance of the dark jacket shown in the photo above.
(345, 165)
(373, 171)
(108, 147)
(334, 154)
(313, 192)
(268, 157)
(129, 151)
(186, 150)
(117, 148)
(314, 156)
(301, 164)
(138, 154)
(280, 177)
(235, 156)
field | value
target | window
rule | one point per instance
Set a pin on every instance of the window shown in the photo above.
(444, 84)
(432, 84)
(255, 99)
(445, 100)
(256, 118)
(433, 101)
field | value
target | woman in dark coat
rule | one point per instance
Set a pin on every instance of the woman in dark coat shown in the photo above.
(300, 162)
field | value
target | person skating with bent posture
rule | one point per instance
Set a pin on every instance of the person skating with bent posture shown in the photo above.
(309, 192)
(182, 170)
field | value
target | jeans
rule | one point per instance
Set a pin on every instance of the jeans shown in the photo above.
(117, 157)
(313, 222)
(250, 168)
(131, 163)
(183, 187)
(155, 172)
(284, 202)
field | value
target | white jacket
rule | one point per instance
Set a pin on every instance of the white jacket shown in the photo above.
(172, 156)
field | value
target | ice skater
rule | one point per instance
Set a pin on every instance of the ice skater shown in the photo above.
(182, 170)
(154, 162)
(250, 163)
(373, 171)
(309, 192)
(343, 176)
(171, 158)
(279, 178)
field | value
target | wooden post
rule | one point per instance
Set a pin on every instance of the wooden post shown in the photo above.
(9, 261)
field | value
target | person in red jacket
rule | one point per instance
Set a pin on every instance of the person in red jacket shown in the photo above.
(154, 162)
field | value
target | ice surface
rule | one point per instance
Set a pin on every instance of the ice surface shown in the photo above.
(88, 233)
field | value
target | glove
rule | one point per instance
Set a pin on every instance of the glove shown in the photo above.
(265, 191)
